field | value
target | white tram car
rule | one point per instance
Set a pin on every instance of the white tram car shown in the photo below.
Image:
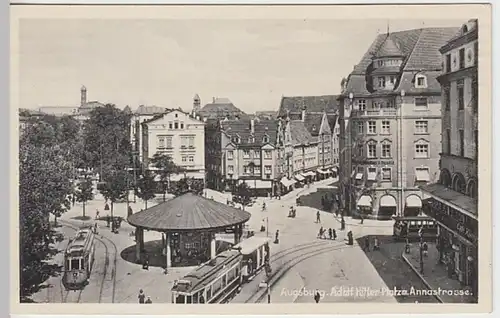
(216, 280)
(78, 259)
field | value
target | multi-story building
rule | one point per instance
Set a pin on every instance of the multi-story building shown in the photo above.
(319, 115)
(391, 123)
(453, 199)
(141, 114)
(220, 107)
(180, 136)
(299, 155)
(249, 154)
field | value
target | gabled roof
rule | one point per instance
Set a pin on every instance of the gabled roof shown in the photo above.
(219, 108)
(150, 110)
(332, 121)
(312, 104)
(388, 49)
(241, 127)
(299, 133)
(420, 49)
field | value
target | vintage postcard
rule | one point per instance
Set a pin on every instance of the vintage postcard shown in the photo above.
(261, 159)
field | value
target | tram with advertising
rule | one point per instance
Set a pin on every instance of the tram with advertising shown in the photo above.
(220, 278)
(79, 259)
(409, 227)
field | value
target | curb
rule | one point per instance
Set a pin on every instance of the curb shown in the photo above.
(421, 277)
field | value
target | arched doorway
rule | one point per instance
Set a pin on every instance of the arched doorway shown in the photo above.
(445, 178)
(387, 206)
(472, 190)
(458, 183)
(413, 205)
(364, 204)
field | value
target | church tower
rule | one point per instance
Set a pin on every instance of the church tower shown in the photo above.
(83, 96)
(196, 104)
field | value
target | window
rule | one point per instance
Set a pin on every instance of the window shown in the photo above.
(381, 81)
(182, 125)
(230, 155)
(462, 142)
(372, 150)
(268, 154)
(421, 127)
(176, 125)
(251, 139)
(75, 263)
(246, 154)
(267, 169)
(386, 127)
(161, 142)
(230, 168)
(460, 94)
(421, 102)
(446, 97)
(256, 170)
(392, 79)
(246, 169)
(422, 150)
(376, 105)
(448, 63)
(169, 125)
(448, 141)
(386, 150)
(176, 115)
(184, 159)
(362, 104)
(421, 81)
(372, 127)
(461, 58)
(191, 158)
(360, 127)
(235, 139)
(380, 63)
(265, 139)
(386, 174)
(422, 174)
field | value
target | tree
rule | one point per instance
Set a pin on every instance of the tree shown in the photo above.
(242, 195)
(84, 192)
(166, 167)
(115, 188)
(44, 187)
(146, 187)
(188, 185)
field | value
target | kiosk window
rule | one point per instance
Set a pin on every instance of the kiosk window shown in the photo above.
(75, 263)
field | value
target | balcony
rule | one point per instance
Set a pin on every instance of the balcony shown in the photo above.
(374, 112)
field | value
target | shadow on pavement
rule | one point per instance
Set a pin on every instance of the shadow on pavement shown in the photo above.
(156, 259)
(313, 200)
(390, 266)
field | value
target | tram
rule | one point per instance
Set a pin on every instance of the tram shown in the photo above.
(78, 259)
(218, 279)
(408, 227)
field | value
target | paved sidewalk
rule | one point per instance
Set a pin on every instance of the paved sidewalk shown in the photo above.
(435, 276)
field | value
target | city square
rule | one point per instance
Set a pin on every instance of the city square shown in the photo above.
(363, 193)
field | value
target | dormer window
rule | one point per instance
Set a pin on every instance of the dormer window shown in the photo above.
(265, 139)
(465, 29)
(420, 81)
(251, 140)
(381, 81)
(235, 139)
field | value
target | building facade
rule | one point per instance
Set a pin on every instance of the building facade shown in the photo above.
(180, 136)
(453, 199)
(391, 124)
(249, 154)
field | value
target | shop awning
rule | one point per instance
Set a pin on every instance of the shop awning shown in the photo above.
(321, 171)
(365, 201)
(422, 175)
(259, 184)
(334, 169)
(309, 174)
(359, 176)
(287, 182)
(299, 177)
(413, 201)
(387, 201)
(371, 175)
(456, 200)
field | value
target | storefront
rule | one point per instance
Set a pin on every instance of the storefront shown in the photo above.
(286, 185)
(413, 205)
(364, 205)
(457, 241)
(387, 206)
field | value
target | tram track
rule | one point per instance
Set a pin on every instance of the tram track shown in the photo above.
(102, 240)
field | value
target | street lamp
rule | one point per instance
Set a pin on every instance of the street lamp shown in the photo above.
(400, 152)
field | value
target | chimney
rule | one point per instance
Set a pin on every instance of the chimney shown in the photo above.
(83, 96)
(213, 100)
(252, 125)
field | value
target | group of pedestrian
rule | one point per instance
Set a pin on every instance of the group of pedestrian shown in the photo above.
(376, 244)
(332, 234)
(143, 299)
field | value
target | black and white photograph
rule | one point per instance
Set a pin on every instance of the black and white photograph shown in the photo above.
(197, 156)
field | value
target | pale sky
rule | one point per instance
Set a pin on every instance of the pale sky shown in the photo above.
(166, 62)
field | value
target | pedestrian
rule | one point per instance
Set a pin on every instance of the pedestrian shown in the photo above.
(334, 234)
(367, 244)
(342, 224)
(317, 297)
(330, 235)
(73, 199)
(95, 228)
(129, 211)
(362, 218)
(425, 249)
(141, 296)
(106, 206)
(276, 240)
(96, 214)
(376, 244)
(318, 217)
(148, 301)
(145, 264)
